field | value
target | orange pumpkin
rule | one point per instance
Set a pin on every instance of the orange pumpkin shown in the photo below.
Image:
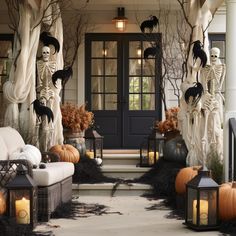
(227, 200)
(2, 204)
(183, 177)
(66, 152)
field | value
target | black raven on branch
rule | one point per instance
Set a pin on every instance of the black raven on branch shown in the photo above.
(42, 110)
(150, 24)
(198, 52)
(151, 51)
(64, 75)
(47, 39)
(195, 92)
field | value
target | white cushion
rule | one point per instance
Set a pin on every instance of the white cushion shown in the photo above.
(53, 173)
(13, 140)
(3, 148)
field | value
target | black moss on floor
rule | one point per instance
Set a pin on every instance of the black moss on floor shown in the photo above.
(162, 178)
(8, 227)
(87, 171)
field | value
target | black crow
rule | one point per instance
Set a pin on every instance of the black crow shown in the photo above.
(151, 51)
(42, 110)
(64, 75)
(195, 92)
(198, 52)
(47, 39)
(150, 24)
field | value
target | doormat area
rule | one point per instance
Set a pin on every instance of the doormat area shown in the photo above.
(121, 151)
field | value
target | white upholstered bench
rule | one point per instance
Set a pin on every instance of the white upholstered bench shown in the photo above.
(54, 182)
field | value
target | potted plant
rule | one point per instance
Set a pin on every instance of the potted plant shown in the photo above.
(75, 120)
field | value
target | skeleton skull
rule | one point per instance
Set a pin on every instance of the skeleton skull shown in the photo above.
(215, 53)
(45, 53)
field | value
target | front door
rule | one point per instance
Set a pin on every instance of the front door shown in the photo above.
(122, 88)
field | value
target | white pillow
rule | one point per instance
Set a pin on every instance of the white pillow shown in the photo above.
(30, 153)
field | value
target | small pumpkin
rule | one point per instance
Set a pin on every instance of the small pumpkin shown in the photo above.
(227, 199)
(183, 177)
(175, 150)
(2, 203)
(66, 152)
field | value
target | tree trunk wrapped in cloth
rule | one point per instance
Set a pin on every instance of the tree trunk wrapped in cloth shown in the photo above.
(20, 90)
(192, 122)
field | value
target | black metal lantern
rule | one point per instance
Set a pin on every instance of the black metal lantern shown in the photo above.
(93, 143)
(152, 148)
(22, 199)
(202, 208)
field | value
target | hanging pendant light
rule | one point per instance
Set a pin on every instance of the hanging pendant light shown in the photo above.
(120, 21)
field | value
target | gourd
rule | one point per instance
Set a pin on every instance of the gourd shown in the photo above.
(183, 177)
(227, 200)
(66, 152)
(175, 150)
(2, 204)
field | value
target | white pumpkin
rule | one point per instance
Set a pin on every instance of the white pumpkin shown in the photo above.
(30, 153)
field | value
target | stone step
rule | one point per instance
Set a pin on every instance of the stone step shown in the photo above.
(121, 159)
(124, 171)
(105, 189)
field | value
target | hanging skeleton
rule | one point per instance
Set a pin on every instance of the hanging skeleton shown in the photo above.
(213, 99)
(45, 69)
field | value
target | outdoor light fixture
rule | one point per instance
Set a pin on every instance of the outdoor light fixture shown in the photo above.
(22, 199)
(202, 208)
(93, 143)
(120, 21)
(152, 148)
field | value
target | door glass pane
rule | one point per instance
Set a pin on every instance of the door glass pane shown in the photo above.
(111, 67)
(148, 102)
(111, 48)
(134, 67)
(97, 49)
(134, 84)
(135, 49)
(134, 102)
(110, 101)
(97, 67)
(111, 84)
(149, 67)
(148, 84)
(97, 85)
(97, 101)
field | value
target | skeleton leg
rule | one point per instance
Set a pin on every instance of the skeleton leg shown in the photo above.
(205, 137)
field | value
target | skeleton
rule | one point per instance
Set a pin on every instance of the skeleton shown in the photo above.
(45, 69)
(214, 75)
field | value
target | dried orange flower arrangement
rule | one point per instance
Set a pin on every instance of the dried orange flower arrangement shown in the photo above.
(171, 122)
(76, 118)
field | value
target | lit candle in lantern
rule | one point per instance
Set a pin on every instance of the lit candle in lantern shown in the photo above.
(151, 157)
(22, 211)
(90, 154)
(203, 212)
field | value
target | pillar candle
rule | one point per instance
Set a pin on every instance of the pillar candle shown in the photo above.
(90, 154)
(203, 210)
(151, 157)
(22, 211)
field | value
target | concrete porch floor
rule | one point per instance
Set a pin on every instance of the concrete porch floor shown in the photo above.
(135, 220)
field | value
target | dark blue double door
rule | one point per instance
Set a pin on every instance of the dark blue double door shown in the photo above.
(121, 87)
